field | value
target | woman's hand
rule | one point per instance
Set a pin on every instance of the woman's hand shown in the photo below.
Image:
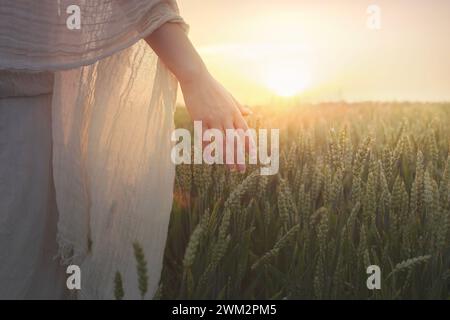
(209, 102)
(205, 98)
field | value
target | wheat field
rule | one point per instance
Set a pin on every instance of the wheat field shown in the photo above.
(359, 184)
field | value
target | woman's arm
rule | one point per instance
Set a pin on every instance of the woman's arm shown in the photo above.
(174, 48)
(205, 98)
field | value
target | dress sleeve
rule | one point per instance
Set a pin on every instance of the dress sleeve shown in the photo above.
(34, 35)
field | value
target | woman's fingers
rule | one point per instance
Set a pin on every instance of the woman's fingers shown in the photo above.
(229, 146)
(205, 127)
(234, 141)
(234, 144)
(239, 144)
(241, 124)
(245, 111)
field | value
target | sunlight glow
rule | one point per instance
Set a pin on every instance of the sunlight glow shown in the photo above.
(286, 81)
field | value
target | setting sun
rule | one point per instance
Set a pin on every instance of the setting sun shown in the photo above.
(340, 57)
(285, 81)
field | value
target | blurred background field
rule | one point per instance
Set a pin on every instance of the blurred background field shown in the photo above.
(359, 184)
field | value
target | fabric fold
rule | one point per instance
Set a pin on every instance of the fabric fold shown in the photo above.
(113, 174)
(34, 34)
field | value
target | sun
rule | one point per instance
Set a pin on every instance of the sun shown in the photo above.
(287, 81)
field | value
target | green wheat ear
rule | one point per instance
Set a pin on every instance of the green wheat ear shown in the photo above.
(409, 264)
(141, 266)
(118, 286)
(192, 247)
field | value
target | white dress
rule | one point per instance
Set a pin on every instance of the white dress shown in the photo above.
(101, 127)
(28, 213)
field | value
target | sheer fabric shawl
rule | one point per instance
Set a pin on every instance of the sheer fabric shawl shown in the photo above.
(113, 105)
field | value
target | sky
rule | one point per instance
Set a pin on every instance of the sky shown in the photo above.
(322, 50)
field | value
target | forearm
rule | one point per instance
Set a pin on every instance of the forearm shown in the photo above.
(206, 99)
(174, 48)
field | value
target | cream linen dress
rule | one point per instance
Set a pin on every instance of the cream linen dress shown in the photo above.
(85, 122)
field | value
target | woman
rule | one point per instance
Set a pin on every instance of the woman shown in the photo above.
(86, 115)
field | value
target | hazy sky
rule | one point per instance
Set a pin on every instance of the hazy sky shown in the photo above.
(323, 49)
